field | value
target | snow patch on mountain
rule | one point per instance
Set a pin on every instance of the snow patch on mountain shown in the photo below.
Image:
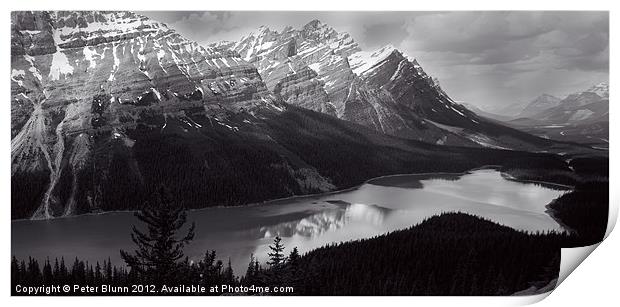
(60, 66)
(89, 55)
(581, 115)
(601, 89)
(316, 67)
(32, 69)
(17, 75)
(362, 62)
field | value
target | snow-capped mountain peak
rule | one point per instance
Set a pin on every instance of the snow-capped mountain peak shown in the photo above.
(319, 68)
(316, 30)
(362, 62)
(601, 89)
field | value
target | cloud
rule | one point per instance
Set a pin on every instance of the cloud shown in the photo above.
(494, 58)
(501, 37)
(205, 27)
(381, 34)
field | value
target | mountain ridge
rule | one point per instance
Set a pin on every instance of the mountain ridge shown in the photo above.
(581, 117)
(382, 89)
(583, 107)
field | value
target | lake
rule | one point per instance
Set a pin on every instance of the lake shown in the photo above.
(307, 222)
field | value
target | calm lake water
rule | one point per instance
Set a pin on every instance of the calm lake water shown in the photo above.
(378, 206)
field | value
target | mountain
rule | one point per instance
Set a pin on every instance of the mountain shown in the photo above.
(81, 79)
(511, 109)
(108, 106)
(486, 114)
(541, 103)
(585, 107)
(601, 89)
(318, 68)
(580, 117)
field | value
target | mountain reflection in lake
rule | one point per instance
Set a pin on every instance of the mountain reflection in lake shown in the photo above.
(329, 220)
(379, 206)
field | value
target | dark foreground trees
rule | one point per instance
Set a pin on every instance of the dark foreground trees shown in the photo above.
(157, 257)
(584, 211)
(451, 254)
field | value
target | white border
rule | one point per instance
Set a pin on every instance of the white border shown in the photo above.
(594, 281)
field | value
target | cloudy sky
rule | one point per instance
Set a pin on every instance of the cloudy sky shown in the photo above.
(493, 60)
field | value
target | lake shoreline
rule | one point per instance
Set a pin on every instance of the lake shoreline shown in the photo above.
(307, 196)
(311, 221)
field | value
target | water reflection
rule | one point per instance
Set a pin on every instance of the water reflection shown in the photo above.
(329, 220)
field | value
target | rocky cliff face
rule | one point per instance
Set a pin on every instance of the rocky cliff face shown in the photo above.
(304, 89)
(383, 89)
(80, 80)
(333, 64)
(62, 58)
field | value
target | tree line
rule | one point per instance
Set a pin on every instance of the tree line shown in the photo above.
(584, 211)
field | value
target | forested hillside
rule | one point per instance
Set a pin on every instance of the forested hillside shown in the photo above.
(294, 152)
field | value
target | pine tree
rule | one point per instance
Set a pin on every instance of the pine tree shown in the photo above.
(16, 275)
(251, 273)
(293, 274)
(56, 271)
(274, 276)
(47, 272)
(276, 257)
(108, 270)
(34, 270)
(209, 269)
(63, 273)
(293, 257)
(90, 274)
(158, 252)
(23, 272)
(229, 276)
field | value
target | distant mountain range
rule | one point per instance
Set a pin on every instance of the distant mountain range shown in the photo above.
(540, 104)
(589, 106)
(582, 116)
